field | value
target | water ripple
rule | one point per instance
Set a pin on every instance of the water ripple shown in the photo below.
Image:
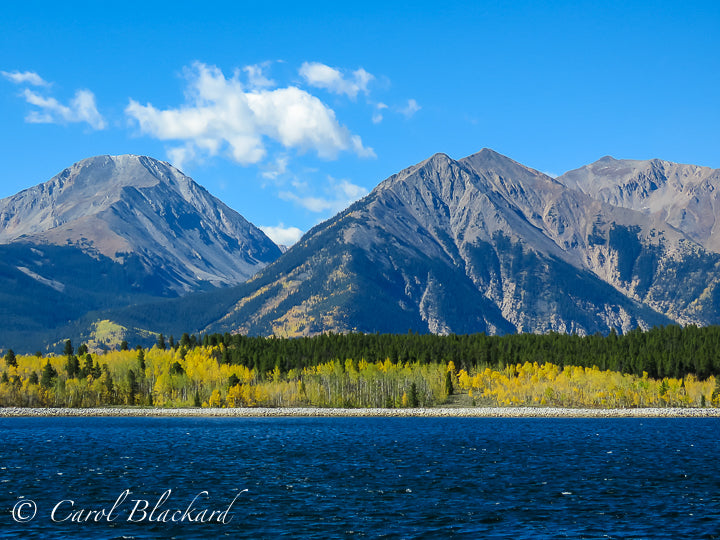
(371, 477)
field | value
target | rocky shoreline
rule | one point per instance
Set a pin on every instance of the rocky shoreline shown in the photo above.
(480, 412)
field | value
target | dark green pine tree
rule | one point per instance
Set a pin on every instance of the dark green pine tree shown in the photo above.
(176, 369)
(87, 368)
(68, 350)
(10, 359)
(49, 374)
(141, 361)
(413, 397)
(97, 371)
(72, 366)
(161, 342)
(449, 390)
(132, 387)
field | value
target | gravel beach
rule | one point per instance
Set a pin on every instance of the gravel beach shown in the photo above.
(482, 412)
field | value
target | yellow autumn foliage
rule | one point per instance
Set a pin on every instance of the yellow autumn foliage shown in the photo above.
(196, 377)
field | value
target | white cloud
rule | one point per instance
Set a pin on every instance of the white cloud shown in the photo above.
(25, 77)
(339, 194)
(256, 76)
(181, 155)
(281, 235)
(221, 114)
(278, 168)
(410, 109)
(377, 116)
(351, 192)
(82, 108)
(333, 80)
(360, 150)
(300, 184)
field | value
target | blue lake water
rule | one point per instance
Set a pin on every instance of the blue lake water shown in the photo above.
(359, 478)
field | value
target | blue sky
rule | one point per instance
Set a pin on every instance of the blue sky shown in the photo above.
(288, 111)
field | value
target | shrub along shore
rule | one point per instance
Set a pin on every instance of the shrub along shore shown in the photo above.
(458, 412)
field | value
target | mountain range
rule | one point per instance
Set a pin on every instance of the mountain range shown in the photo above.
(480, 244)
(111, 231)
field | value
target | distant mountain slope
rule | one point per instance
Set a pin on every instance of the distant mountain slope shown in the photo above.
(135, 208)
(446, 247)
(687, 197)
(112, 231)
(637, 252)
(480, 244)
(669, 258)
(33, 307)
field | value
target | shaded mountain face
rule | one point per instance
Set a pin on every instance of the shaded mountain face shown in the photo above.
(113, 231)
(482, 244)
(141, 212)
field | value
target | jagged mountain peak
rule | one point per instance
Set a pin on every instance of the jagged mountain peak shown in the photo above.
(121, 170)
(437, 157)
(131, 206)
(110, 174)
(436, 174)
(486, 169)
(687, 197)
(479, 244)
(482, 243)
(618, 171)
(434, 162)
(490, 161)
(86, 188)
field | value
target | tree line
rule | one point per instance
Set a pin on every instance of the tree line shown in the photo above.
(669, 366)
(669, 351)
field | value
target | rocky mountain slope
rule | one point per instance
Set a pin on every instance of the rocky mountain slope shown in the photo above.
(687, 197)
(140, 210)
(112, 231)
(481, 244)
(669, 260)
